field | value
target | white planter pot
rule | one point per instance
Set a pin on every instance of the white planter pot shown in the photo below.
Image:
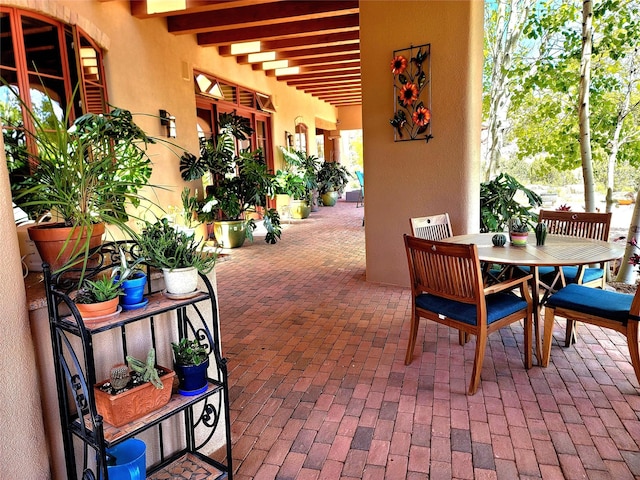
(180, 280)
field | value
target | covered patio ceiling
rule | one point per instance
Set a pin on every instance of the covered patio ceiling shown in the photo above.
(313, 46)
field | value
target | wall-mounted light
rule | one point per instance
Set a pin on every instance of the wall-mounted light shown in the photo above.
(169, 121)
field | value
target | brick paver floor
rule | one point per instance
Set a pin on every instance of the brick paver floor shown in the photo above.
(319, 389)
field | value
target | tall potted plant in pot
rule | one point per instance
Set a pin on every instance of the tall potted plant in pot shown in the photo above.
(240, 183)
(85, 174)
(292, 185)
(306, 167)
(178, 254)
(332, 180)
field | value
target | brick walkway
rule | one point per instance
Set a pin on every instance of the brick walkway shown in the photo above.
(319, 389)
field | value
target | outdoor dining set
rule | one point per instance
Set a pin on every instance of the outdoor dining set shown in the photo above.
(477, 286)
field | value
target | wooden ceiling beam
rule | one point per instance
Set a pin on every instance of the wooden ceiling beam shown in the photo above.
(139, 8)
(303, 27)
(295, 43)
(328, 60)
(314, 52)
(329, 87)
(259, 15)
(336, 77)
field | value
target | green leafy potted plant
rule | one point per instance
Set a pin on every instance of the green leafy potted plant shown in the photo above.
(498, 203)
(191, 363)
(240, 183)
(83, 173)
(332, 180)
(178, 254)
(291, 184)
(306, 167)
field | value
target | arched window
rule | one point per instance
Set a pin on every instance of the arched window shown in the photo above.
(40, 56)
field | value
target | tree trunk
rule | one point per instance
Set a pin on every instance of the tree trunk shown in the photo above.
(510, 23)
(583, 106)
(628, 273)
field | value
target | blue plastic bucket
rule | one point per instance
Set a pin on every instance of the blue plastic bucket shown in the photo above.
(130, 460)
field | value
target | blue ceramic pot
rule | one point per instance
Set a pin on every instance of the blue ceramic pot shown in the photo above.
(193, 378)
(133, 289)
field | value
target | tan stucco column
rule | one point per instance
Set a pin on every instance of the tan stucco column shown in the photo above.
(23, 448)
(415, 178)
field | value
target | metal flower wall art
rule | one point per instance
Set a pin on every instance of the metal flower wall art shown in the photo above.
(411, 69)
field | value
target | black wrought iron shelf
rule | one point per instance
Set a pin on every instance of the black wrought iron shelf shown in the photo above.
(75, 368)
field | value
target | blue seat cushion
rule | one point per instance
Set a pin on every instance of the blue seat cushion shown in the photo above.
(594, 301)
(499, 305)
(590, 274)
(541, 270)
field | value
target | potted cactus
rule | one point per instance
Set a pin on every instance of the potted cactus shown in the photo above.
(518, 231)
(133, 390)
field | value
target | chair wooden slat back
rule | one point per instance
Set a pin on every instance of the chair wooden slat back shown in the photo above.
(433, 227)
(577, 224)
(448, 270)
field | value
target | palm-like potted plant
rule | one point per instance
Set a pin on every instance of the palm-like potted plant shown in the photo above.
(178, 254)
(332, 180)
(299, 180)
(84, 173)
(191, 363)
(240, 183)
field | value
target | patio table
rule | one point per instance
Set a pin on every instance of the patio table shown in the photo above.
(558, 251)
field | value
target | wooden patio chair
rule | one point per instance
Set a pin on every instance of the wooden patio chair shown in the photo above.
(447, 287)
(604, 308)
(434, 227)
(575, 224)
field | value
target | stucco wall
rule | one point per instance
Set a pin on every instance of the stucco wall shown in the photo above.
(23, 449)
(408, 179)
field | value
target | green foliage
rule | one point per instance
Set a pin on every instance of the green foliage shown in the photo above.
(332, 177)
(86, 173)
(299, 178)
(498, 203)
(99, 290)
(168, 247)
(189, 352)
(241, 183)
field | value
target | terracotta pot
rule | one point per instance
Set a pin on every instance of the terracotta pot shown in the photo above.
(135, 403)
(50, 239)
(96, 310)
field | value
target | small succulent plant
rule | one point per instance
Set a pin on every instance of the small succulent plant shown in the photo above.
(120, 376)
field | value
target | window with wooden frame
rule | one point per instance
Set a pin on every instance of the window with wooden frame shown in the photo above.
(42, 57)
